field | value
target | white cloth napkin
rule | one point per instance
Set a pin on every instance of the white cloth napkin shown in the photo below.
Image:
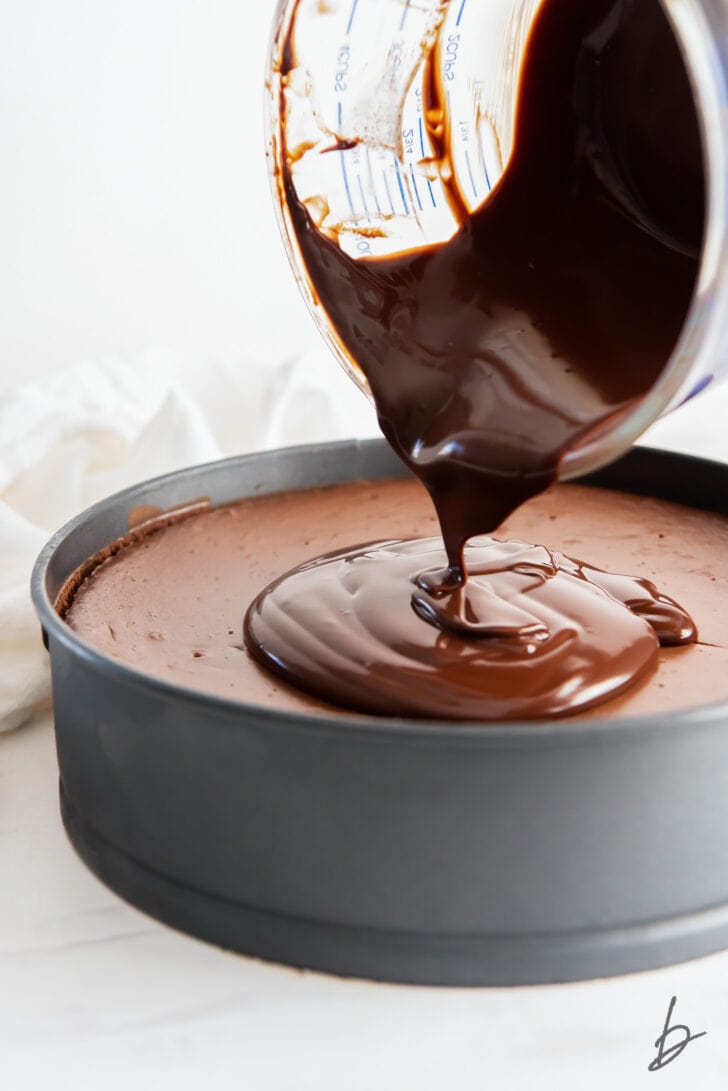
(92, 429)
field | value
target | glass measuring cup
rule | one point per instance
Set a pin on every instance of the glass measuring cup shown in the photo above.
(366, 160)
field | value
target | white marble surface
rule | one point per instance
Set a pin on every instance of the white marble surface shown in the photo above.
(94, 995)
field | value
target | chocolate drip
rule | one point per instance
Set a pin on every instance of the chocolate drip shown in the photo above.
(551, 311)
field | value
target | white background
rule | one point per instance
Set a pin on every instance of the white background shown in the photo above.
(134, 201)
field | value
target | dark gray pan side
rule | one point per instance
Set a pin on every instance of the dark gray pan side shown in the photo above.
(405, 851)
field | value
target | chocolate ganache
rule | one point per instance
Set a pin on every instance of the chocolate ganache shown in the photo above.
(552, 310)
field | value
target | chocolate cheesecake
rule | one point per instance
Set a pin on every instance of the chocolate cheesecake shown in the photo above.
(170, 598)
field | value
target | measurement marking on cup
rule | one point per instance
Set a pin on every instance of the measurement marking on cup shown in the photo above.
(342, 157)
(482, 163)
(389, 195)
(414, 186)
(352, 13)
(470, 173)
(460, 13)
(423, 155)
(401, 187)
(404, 15)
(338, 115)
(363, 198)
(343, 63)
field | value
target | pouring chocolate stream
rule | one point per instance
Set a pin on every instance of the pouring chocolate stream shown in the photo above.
(553, 308)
